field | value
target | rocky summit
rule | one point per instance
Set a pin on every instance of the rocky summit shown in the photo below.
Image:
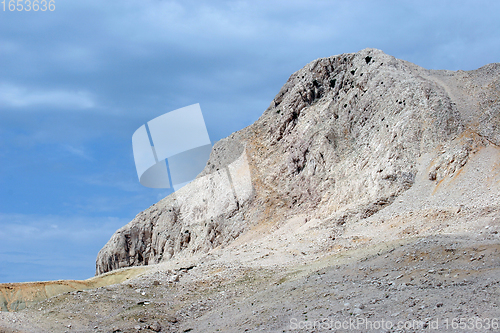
(367, 192)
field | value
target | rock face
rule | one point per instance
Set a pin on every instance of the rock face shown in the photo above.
(341, 140)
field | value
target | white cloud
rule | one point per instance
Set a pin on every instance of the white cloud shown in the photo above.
(78, 58)
(28, 228)
(118, 180)
(22, 97)
(80, 152)
(37, 247)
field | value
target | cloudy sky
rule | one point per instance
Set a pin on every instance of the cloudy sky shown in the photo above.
(76, 82)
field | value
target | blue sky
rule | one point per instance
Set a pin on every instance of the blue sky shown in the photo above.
(76, 83)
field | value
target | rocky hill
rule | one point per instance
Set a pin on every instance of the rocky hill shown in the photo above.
(367, 194)
(343, 138)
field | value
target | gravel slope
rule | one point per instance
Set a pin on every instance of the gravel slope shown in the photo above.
(418, 281)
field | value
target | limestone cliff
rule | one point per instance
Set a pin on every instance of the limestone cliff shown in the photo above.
(339, 142)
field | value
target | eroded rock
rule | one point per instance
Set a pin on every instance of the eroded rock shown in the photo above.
(339, 142)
